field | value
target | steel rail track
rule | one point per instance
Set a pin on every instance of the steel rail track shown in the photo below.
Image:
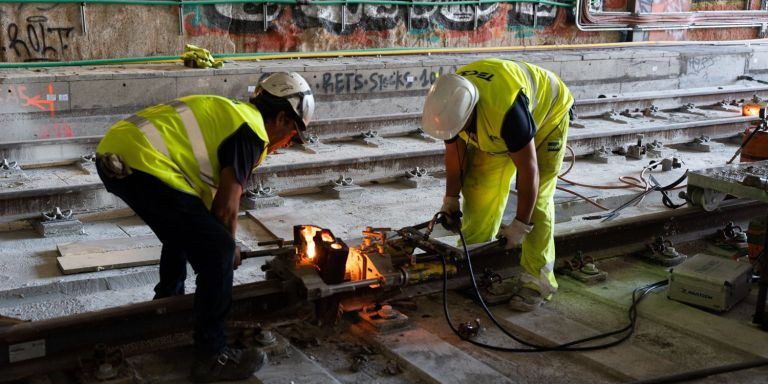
(299, 172)
(24, 147)
(59, 343)
(308, 171)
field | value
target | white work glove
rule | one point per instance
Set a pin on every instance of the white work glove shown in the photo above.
(514, 232)
(453, 213)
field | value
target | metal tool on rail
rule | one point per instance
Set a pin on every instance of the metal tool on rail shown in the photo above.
(315, 267)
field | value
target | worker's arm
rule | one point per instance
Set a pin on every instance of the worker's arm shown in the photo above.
(518, 131)
(238, 154)
(527, 181)
(455, 153)
(455, 150)
(226, 203)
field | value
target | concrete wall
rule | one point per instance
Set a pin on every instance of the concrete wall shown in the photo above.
(46, 32)
(50, 103)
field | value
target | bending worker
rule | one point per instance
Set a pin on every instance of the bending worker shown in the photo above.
(182, 167)
(500, 118)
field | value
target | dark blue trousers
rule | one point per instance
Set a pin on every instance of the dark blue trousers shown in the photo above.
(189, 233)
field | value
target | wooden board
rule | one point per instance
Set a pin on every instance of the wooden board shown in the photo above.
(99, 261)
(250, 232)
(107, 245)
(99, 255)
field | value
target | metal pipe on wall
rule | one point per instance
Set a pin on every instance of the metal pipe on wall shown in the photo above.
(581, 9)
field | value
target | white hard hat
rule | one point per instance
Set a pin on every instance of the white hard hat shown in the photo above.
(448, 106)
(294, 89)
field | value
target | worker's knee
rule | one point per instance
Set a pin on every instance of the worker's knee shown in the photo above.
(215, 255)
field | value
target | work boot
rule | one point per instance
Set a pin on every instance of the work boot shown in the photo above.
(526, 300)
(229, 365)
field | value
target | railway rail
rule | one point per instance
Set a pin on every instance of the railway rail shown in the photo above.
(378, 147)
(60, 343)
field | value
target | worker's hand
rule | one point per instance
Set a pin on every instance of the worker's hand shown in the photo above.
(237, 261)
(514, 232)
(452, 218)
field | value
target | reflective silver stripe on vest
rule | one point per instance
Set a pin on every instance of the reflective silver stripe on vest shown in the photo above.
(525, 70)
(196, 140)
(554, 88)
(153, 135)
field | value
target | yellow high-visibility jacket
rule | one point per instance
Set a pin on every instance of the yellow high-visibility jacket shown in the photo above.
(499, 82)
(178, 142)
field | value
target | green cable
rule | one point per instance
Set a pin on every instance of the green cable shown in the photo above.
(77, 63)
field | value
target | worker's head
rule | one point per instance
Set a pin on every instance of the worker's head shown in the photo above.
(448, 106)
(286, 103)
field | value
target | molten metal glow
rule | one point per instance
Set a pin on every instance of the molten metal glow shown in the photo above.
(336, 246)
(308, 233)
(327, 237)
(750, 110)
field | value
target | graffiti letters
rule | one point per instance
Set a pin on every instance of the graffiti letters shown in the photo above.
(335, 83)
(698, 64)
(522, 14)
(344, 19)
(36, 41)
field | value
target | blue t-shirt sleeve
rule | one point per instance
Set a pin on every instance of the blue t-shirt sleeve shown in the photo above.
(241, 151)
(518, 128)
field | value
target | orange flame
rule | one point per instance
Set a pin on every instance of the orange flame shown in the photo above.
(750, 110)
(308, 233)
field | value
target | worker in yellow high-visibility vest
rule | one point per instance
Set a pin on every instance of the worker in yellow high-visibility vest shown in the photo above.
(182, 167)
(500, 118)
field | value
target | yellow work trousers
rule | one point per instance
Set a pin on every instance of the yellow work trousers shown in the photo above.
(486, 189)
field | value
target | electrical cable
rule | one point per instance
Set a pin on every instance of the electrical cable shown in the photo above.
(629, 181)
(637, 295)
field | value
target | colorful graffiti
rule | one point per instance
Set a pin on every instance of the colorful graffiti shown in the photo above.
(254, 19)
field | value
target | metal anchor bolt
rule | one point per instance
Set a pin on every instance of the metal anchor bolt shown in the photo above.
(416, 172)
(7, 165)
(387, 312)
(590, 269)
(469, 329)
(313, 139)
(260, 191)
(701, 140)
(344, 181)
(57, 214)
(371, 134)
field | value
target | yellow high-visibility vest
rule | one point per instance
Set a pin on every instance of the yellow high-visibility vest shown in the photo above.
(499, 82)
(178, 142)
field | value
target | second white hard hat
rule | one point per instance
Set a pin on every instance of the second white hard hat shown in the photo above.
(448, 106)
(293, 88)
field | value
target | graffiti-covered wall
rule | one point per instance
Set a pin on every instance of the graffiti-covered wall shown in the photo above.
(46, 32)
(255, 28)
